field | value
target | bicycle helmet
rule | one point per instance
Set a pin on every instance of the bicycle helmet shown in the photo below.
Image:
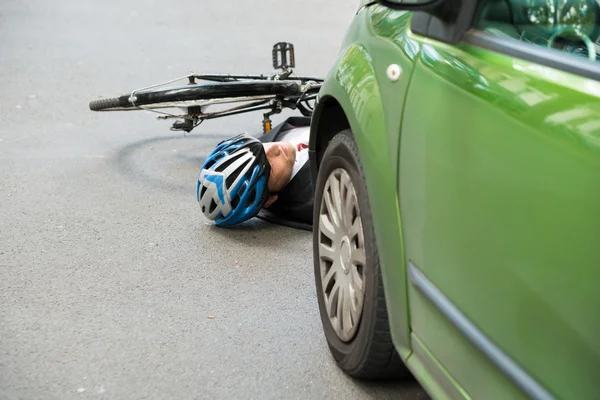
(232, 185)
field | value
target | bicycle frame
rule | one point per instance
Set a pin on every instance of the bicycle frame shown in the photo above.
(194, 115)
(292, 92)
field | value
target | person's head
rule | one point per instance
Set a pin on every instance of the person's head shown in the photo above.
(281, 156)
(232, 185)
(242, 175)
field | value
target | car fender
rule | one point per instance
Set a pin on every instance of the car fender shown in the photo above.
(350, 97)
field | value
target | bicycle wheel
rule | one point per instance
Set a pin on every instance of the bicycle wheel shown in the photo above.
(191, 92)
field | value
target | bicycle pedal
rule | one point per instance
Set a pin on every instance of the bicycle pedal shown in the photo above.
(283, 56)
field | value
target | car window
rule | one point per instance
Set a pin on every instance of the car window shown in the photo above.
(569, 26)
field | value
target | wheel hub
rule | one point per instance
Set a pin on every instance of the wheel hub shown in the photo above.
(345, 255)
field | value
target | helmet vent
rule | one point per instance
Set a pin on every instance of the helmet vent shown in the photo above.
(233, 176)
(209, 164)
(235, 201)
(252, 193)
(229, 161)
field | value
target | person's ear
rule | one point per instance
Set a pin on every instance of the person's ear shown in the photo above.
(271, 200)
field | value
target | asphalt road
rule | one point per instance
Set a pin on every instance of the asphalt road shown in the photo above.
(108, 271)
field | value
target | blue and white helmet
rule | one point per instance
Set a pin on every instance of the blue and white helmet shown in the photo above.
(232, 185)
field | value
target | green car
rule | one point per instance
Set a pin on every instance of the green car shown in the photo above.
(455, 152)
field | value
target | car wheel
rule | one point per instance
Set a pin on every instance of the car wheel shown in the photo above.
(348, 278)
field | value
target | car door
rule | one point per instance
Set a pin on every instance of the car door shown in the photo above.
(499, 187)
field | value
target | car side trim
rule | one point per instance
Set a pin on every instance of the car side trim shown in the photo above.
(535, 54)
(510, 368)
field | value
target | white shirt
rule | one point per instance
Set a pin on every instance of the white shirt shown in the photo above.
(299, 138)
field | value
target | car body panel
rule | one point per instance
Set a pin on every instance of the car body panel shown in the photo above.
(484, 171)
(501, 208)
(431, 374)
(468, 375)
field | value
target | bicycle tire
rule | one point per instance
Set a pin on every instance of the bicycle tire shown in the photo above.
(199, 92)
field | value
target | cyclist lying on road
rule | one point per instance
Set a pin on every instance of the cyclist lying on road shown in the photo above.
(244, 174)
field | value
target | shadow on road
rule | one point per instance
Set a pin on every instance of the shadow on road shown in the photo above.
(404, 389)
(170, 162)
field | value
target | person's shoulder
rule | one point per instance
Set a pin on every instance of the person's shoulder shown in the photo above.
(298, 122)
(278, 133)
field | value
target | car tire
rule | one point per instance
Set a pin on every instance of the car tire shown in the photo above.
(360, 341)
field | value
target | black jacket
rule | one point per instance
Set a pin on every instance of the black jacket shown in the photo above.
(294, 206)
